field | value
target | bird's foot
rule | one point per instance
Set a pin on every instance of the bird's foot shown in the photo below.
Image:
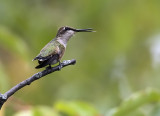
(49, 67)
(60, 66)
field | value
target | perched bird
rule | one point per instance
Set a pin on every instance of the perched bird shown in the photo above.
(54, 50)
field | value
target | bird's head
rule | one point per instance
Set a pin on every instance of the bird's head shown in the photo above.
(68, 31)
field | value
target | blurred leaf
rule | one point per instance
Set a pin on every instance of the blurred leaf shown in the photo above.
(75, 109)
(43, 111)
(37, 111)
(12, 42)
(24, 113)
(135, 101)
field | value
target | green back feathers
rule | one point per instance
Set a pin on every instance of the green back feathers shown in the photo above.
(51, 48)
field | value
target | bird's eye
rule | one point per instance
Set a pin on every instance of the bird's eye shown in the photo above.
(65, 28)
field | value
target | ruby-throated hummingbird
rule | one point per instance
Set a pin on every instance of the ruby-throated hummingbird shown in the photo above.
(54, 50)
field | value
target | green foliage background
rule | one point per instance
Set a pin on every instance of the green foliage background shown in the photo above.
(115, 62)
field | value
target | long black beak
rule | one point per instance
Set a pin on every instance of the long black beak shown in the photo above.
(84, 30)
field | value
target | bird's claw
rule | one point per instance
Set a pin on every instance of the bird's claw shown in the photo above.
(49, 67)
(60, 66)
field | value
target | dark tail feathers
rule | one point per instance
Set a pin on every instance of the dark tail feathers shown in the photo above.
(42, 64)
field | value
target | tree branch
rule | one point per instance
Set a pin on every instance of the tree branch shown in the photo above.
(9, 93)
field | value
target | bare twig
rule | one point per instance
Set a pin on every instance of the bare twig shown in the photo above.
(5, 96)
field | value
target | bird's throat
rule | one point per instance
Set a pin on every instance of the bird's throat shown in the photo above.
(65, 38)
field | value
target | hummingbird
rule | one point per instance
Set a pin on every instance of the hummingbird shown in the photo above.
(52, 53)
